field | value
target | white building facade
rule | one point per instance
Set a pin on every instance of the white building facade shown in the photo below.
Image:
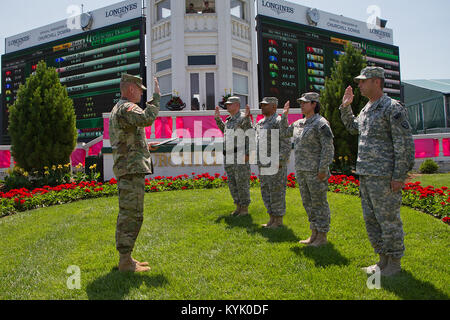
(201, 57)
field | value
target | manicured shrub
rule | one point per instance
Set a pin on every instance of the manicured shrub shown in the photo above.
(428, 167)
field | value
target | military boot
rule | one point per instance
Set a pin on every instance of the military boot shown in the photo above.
(277, 222)
(126, 263)
(142, 264)
(310, 239)
(393, 267)
(243, 212)
(380, 264)
(236, 212)
(321, 240)
(268, 224)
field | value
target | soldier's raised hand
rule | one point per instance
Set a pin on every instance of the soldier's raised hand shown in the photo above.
(157, 90)
(348, 97)
(217, 113)
(247, 111)
(287, 106)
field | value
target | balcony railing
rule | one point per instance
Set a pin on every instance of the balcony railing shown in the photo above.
(240, 29)
(205, 22)
(161, 30)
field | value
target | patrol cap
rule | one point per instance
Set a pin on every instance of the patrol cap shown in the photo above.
(371, 72)
(269, 100)
(309, 97)
(232, 100)
(132, 79)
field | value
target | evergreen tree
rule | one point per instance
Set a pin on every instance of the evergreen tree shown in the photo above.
(343, 73)
(42, 122)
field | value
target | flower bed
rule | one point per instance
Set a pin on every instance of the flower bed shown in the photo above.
(431, 200)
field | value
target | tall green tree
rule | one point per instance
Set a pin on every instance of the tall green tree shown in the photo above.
(42, 122)
(343, 73)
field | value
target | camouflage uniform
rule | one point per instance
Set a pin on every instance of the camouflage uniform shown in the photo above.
(385, 154)
(314, 152)
(273, 187)
(132, 162)
(238, 172)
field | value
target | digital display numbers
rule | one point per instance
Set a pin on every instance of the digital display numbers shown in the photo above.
(295, 58)
(90, 65)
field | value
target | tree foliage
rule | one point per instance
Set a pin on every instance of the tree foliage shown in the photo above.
(42, 122)
(343, 73)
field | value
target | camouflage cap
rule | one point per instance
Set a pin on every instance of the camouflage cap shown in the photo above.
(232, 100)
(133, 79)
(371, 72)
(309, 97)
(269, 100)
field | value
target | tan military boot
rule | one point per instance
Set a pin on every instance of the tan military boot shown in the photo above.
(321, 240)
(142, 264)
(380, 264)
(126, 263)
(268, 224)
(243, 212)
(310, 239)
(278, 222)
(393, 267)
(236, 212)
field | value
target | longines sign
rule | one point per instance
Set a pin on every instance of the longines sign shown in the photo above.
(75, 24)
(292, 12)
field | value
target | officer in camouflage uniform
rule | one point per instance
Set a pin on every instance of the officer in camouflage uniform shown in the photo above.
(132, 162)
(385, 156)
(236, 167)
(273, 185)
(314, 152)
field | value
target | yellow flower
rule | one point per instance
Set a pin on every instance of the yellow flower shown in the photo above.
(59, 166)
(46, 173)
(45, 168)
(67, 165)
(346, 158)
(25, 174)
(340, 158)
(79, 166)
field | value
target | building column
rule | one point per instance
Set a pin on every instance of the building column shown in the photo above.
(253, 85)
(224, 55)
(177, 42)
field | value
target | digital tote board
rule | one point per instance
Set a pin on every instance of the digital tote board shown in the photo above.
(296, 58)
(89, 65)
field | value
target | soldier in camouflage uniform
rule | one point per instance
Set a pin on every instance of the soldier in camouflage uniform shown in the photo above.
(385, 156)
(273, 185)
(132, 162)
(314, 152)
(237, 168)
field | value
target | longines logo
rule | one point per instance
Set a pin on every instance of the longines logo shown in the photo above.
(121, 11)
(380, 33)
(278, 8)
(18, 42)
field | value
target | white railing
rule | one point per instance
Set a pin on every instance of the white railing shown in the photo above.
(240, 28)
(161, 30)
(205, 22)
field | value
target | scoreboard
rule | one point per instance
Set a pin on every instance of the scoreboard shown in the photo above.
(89, 64)
(295, 58)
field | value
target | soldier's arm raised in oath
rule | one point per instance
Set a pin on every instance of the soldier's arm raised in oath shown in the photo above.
(220, 123)
(137, 117)
(347, 117)
(286, 130)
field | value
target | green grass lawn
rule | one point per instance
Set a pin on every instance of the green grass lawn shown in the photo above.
(436, 180)
(197, 251)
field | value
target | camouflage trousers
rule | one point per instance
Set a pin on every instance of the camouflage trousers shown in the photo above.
(314, 198)
(381, 210)
(131, 211)
(273, 191)
(239, 183)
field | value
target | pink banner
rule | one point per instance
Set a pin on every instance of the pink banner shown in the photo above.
(106, 128)
(95, 149)
(446, 147)
(163, 128)
(427, 148)
(78, 156)
(5, 159)
(198, 127)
